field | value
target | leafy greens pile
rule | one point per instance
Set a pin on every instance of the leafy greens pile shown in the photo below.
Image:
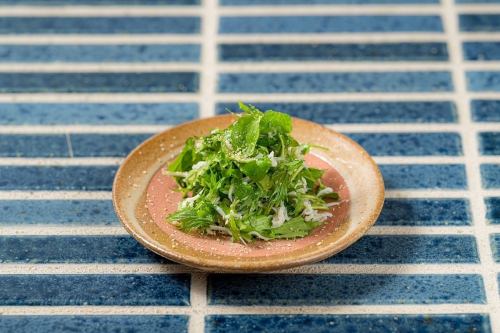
(250, 181)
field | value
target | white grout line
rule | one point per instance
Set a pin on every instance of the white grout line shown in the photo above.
(63, 129)
(332, 66)
(208, 84)
(416, 159)
(76, 161)
(426, 194)
(101, 39)
(106, 67)
(198, 301)
(470, 146)
(98, 11)
(396, 309)
(417, 231)
(54, 195)
(199, 279)
(99, 97)
(48, 229)
(491, 192)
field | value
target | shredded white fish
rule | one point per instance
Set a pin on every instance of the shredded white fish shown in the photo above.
(280, 216)
(331, 204)
(217, 228)
(200, 165)
(256, 234)
(174, 173)
(292, 194)
(325, 191)
(311, 214)
(230, 192)
(274, 160)
(189, 202)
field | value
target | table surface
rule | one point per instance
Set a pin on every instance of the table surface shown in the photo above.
(417, 83)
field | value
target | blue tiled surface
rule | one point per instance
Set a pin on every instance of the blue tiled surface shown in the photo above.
(490, 174)
(85, 178)
(99, 25)
(493, 210)
(479, 22)
(409, 249)
(489, 143)
(495, 246)
(100, 53)
(347, 323)
(324, 24)
(409, 144)
(421, 176)
(98, 82)
(334, 52)
(95, 323)
(96, 113)
(65, 212)
(75, 249)
(485, 110)
(105, 144)
(329, 289)
(19, 145)
(335, 82)
(363, 112)
(94, 289)
(482, 51)
(425, 212)
(483, 81)
(82, 82)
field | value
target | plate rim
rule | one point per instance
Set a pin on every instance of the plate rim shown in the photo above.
(321, 253)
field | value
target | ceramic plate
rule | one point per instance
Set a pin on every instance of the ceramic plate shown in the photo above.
(143, 197)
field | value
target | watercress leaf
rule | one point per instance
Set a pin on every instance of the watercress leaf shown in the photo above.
(276, 122)
(244, 134)
(256, 169)
(184, 161)
(296, 227)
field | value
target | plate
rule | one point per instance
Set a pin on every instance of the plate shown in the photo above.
(143, 196)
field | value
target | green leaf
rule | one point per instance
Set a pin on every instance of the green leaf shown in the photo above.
(244, 134)
(256, 169)
(296, 227)
(275, 122)
(184, 161)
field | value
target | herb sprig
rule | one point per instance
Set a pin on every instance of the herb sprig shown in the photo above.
(250, 181)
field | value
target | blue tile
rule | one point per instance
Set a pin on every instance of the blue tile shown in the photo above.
(492, 210)
(100, 53)
(403, 249)
(94, 289)
(98, 82)
(334, 52)
(323, 323)
(335, 82)
(57, 212)
(485, 110)
(490, 174)
(425, 212)
(362, 112)
(75, 250)
(420, 176)
(99, 25)
(94, 323)
(479, 22)
(495, 246)
(477, 1)
(483, 81)
(409, 144)
(343, 289)
(96, 113)
(118, 145)
(21, 145)
(85, 178)
(328, 24)
(481, 51)
(100, 2)
(489, 143)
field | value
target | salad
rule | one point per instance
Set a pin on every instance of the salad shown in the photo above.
(250, 181)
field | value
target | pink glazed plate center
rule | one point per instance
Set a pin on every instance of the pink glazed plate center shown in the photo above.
(163, 199)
